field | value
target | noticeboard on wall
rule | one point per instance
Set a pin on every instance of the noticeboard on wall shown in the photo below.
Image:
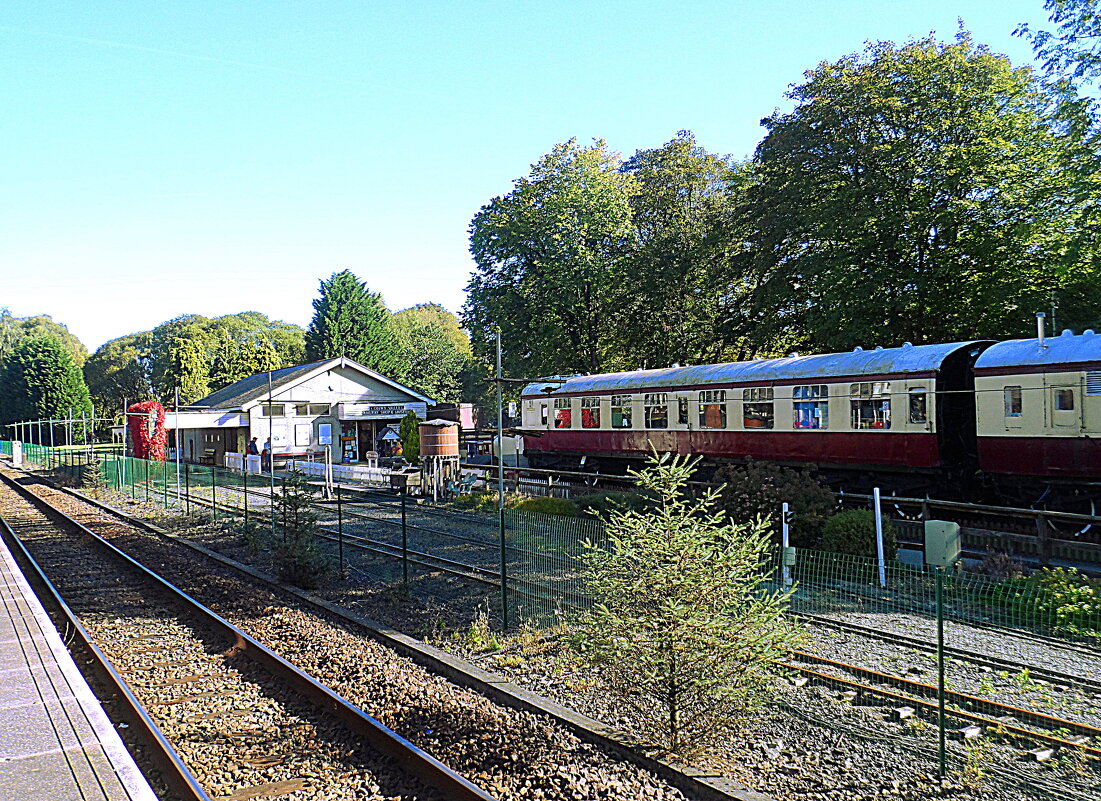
(302, 433)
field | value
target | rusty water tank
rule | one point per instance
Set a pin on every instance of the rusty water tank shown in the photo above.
(439, 438)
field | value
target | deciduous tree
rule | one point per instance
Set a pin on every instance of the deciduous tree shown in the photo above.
(548, 255)
(119, 372)
(917, 193)
(435, 350)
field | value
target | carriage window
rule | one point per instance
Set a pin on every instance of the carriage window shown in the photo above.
(713, 408)
(682, 411)
(1013, 405)
(811, 408)
(563, 416)
(871, 405)
(1064, 400)
(543, 415)
(758, 408)
(621, 411)
(919, 412)
(590, 412)
(657, 409)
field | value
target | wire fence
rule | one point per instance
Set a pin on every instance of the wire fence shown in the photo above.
(533, 563)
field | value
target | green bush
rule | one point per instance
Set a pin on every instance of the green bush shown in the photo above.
(486, 501)
(301, 564)
(600, 504)
(1070, 599)
(548, 506)
(853, 532)
(759, 489)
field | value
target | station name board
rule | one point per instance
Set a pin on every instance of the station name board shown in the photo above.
(383, 411)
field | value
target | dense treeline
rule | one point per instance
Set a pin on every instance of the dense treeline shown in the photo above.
(40, 360)
(924, 192)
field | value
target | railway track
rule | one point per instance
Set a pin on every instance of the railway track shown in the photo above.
(1091, 683)
(1000, 717)
(509, 752)
(233, 719)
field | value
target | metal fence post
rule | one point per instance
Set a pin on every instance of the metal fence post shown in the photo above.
(504, 574)
(404, 544)
(214, 493)
(244, 478)
(164, 478)
(283, 501)
(941, 760)
(187, 487)
(1043, 539)
(145, 469)
(340, 529)
(133, 478)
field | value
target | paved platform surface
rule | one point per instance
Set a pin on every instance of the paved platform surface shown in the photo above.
(56, 742)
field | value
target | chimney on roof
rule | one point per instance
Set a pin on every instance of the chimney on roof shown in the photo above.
(1040, 328)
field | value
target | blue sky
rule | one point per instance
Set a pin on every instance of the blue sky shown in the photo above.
(164, 158)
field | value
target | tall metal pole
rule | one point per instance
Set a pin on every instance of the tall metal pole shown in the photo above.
(501, 487)
(271, 456)
(340, 529)
(941, 760)
(879, 538)
(179, 445)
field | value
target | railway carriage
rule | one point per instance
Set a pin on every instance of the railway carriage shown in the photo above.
(1039, 408)
(908, 408)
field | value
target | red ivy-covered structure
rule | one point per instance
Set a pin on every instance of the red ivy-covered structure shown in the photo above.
(147, 431)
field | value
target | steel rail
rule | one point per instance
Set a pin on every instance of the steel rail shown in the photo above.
(957, 697)
(409, 757)
(176, 774)
(989, 661)
(996, 725)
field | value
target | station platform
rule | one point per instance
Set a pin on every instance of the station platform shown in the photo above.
(56, 742)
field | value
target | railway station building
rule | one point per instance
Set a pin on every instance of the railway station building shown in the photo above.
(298, 412)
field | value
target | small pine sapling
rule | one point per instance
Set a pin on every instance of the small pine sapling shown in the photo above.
(681, 625)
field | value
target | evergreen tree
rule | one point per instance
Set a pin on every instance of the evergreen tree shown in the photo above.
(40, 380)
(436, 351)
(410, 434)
(681, 625)
(230, 362)
(351, 321)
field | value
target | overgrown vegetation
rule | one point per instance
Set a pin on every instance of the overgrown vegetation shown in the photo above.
(758, 489)
(680, 626)
(600, 504)
(853, 532)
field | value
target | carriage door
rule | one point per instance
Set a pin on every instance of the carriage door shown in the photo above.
(1063, 401)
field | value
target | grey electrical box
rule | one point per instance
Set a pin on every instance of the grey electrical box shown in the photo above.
(789, 556)
(942, 542)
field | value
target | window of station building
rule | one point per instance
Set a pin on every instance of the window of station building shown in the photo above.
(656, 406)
(1013, 405)
(871, 405)
(306, 409)
(621, 411)
(758, 409)
(590, 412)
(682, 411)
(811, 407)
(563, 415)
(919, 405)
(713, 408)
(273, 410)
(1064, 399)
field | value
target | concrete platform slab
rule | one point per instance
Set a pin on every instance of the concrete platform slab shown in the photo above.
(56, 742)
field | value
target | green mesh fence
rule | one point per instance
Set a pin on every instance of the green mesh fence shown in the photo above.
(1049, 602)
(393, 537)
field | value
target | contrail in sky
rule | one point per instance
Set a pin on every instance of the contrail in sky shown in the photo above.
(156, 50)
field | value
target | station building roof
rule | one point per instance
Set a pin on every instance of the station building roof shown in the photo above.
(252, 390)
(1067, 348)
(857, 363)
